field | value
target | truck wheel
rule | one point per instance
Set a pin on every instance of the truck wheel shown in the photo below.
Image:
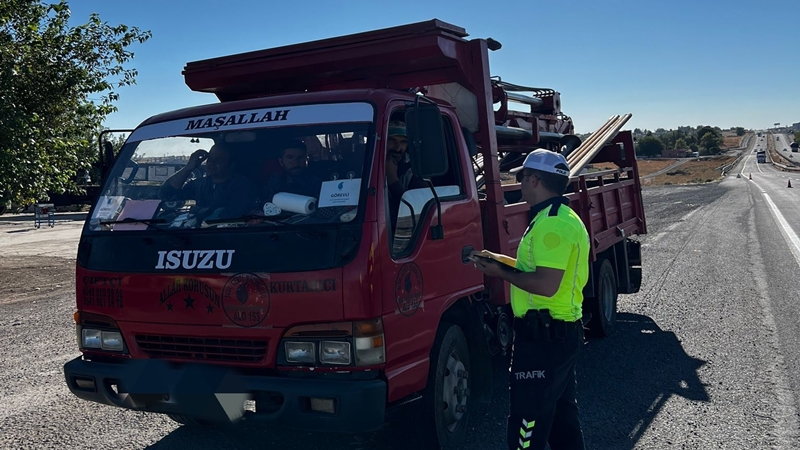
(441, 423)
(604, 306)
(445, 399)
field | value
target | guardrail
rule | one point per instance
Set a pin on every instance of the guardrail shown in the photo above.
(772, 149)
(785, 167)
(728, 167)
(744, 145)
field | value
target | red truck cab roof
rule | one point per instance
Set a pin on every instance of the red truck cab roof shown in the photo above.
(401, 57)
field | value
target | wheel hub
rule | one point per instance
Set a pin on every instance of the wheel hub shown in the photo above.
(503, 330)
(455, 391)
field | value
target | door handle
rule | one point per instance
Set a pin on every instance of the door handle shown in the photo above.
(465, 254)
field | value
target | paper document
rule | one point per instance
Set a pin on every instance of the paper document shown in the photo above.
(339, 193)
(137, 209)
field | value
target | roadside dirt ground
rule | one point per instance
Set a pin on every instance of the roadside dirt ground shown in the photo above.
(37, 262)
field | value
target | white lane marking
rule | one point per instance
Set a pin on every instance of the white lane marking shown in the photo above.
(786, 229)
(749, 157)
(786, 421)
(785, 413)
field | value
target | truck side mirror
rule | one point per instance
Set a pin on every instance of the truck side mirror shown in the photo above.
(108, 157)
(426, 141)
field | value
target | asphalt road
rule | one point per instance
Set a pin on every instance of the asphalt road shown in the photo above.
(782, 146)
(704, 357)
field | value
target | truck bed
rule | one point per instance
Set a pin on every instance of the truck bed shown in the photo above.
(608, 201)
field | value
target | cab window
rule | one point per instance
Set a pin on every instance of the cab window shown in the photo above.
(409, 197)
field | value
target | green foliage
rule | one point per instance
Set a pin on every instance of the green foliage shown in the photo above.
(710, 142)
(702, 138)
(649, 145)
(57, 83)
(740, 131)
(797, 136)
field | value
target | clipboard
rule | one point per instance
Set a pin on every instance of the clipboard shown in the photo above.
(502, 264)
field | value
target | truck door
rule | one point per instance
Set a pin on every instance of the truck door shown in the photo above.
(419, 272)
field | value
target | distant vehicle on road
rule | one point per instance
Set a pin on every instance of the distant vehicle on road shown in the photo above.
(761, 156)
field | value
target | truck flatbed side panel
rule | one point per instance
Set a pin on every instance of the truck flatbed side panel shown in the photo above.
(612, 211)
(403, 57)
(609, 203)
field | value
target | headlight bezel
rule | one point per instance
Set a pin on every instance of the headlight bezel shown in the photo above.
(346, 346)
(296, 361)
(363, 340)
(110, 339)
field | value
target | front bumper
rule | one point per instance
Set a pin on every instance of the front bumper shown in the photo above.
(217, 394)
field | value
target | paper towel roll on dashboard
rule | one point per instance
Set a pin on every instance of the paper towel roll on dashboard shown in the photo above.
(294, 203)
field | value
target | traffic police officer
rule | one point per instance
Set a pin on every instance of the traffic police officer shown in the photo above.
(547, 279)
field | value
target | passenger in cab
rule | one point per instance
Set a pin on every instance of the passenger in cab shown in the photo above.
(399, 177)
(220, 193)
(294, 177)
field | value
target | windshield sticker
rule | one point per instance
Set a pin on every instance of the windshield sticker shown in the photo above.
(271, 210)
(258, 118)
(408, 289)
(245, 300)
(107, 207)
(195, 259)
(340, 193)
(184, 292)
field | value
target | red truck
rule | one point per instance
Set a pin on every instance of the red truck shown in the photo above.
(332, 312)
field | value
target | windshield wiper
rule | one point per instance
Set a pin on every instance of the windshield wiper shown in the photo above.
(245, 218)
(132, 220)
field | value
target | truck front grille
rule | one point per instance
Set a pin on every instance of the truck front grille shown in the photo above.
(206, 349)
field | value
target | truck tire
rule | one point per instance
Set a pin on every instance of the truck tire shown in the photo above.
(604, 305)
(441, 420)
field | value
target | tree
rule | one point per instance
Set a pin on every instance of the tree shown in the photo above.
(649, 146)
(710, 142)
(50, 76)
(702, 130)
(681, 144)
(740, 131)
(797, 136)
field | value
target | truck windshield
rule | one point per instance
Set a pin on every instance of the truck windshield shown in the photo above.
(298, 165)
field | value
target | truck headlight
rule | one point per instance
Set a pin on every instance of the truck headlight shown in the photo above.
(91, 338)
(104, 340)
(300, 352)
(357, 343)
(112, 341)
(334, 352)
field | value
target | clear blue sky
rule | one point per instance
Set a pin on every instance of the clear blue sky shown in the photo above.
(669, 63)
